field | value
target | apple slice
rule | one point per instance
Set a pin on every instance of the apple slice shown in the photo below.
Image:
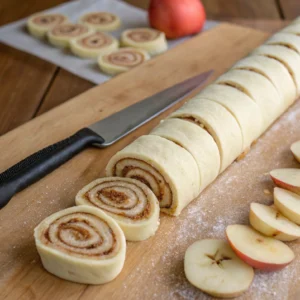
(270, 222)
(288, 204)
(214, 268)
(287, 179)
(295, 148)
(257, 250)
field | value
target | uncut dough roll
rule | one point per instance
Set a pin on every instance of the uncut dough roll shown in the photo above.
(122, 60)
(81, 244)
(289, 58)
(275, 72)
(150, 40)
(61, 35)
(101, 21)
(169, 170)
(93, 45)
(258, 88)
(243, 108)
(128, 201)
(288, 40)
(219, 123)
(197, 141)
(39, 24)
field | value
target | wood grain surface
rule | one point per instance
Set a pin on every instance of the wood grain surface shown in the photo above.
(290, 8)
(153, 268)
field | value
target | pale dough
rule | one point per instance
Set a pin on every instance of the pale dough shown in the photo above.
(170, 171)
(128, 201)
(260, 89)
(294, 28)
(275, 72)
(219, 123)
(197, 141)
(81, 244)
(288, 40)
(241, 106)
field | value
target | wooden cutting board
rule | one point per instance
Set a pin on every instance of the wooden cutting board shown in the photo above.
(153, 268)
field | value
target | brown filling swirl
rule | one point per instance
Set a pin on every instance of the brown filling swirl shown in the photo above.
(49, 20)
(121, 198)
(81, 235)
(71, 30)
(96, 40)
(100, 18)
(143, 35)
(144, 172)
(125, 58)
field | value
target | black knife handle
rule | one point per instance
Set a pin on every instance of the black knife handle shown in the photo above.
(41, 163)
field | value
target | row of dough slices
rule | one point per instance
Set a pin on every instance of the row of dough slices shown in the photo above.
(187, 151)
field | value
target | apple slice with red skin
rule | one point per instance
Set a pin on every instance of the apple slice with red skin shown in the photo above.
(257, 250)
(270, 222)
(288, 179)
(288, 203)
(295, 148)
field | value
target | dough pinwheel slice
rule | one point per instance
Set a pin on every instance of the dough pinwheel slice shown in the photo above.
(288, 40)
(101, 21)
(61, 35)
(258, 88)
(219, 123)
(148, 39)
(93, 45)
(81, 244)
(294, 28)
(274, 71)
(128, 201)
(289, 58)
(168, 169)
(122, 60)
(197, 141)
(214, 268)
(39, 24)
(296, 21)
(243, 108)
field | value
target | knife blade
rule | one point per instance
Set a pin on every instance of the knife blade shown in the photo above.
(102, 134)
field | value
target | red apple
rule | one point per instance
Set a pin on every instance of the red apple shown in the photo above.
(177, 18)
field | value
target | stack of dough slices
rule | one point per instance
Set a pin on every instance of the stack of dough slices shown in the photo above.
(187, 151)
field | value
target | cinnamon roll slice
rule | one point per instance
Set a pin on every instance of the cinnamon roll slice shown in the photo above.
(168, 169)
(61, 35)
(93, 45)
(128, 201)
(197, 141)
(288, 40)
(294, 28)
(101, 21)
(151, 40)
(244, 110)
(122, 60)
(81, 244)
(274, 71)
(218, 122)
(259, 89)
(39, 24)
(287, 57)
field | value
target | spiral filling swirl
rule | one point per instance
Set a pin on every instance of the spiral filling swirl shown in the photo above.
(100, 18)
(71, 30)
(144, 172)
(143, 35)
(48, 20)
(126, 58)
(120, 198)
(82, 235)
(96, 40)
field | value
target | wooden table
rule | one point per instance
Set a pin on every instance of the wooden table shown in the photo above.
(31, 86)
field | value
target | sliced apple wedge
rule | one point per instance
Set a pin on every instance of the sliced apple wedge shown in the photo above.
(213, 267)
(287, 179)
(295, 148)
(270, 222)
(288, 203)
(257, 250)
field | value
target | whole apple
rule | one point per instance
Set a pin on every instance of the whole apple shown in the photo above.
(177, 18)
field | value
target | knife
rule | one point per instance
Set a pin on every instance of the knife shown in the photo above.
(102, 134)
